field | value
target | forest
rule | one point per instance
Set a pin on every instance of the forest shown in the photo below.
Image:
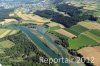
(75, 15)
(23, 53)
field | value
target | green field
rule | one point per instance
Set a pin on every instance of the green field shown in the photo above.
(87, 38)
(30, 20)
(92, 36)
(78, 29)
(45, 18)
(54, 28)
(80, 42)
(96, 32)
(71, 31)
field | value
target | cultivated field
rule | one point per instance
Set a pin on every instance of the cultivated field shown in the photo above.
(36, 18)
(54, 28)
(90, 25)
(95, 32)
(7, 21)
(65, 33)
(33, 18)
(92, 36)
(90, 6)
(52, 24)
(6, 32)
(92, 52)
(81, 42)
(78, 29)
(86, 38)
(22, 16)
(2, 31)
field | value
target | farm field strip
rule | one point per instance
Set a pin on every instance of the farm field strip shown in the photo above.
(7, 21)
(36, 18)
(71, 31)
(92, 36)
(2, 31)
(78, 29)
(90, 25)
(54, 28)
(65, 33)
(96, 32)
(52, 24)
(5, 33)
(22, 16)
(13, 32)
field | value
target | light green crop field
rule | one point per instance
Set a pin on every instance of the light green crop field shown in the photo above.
(81, 41)
(78, 29)
(87, 38)
(30, 20)
(71, 31)
(96, 32)
(6, 44)
(54, 28)
(92, 36)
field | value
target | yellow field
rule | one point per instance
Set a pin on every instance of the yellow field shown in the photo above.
(6, 32)
(22, 16)
(65, 33)
(90, 6)
(92, 52)
(2, 31)
(13, 32)
(52, 24)
(7, 21)
(90, 25)
(36, 18)
(39, 20)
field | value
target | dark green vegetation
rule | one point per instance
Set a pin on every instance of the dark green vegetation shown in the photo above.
(23, 53)
(76, 15)
(78, 29)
